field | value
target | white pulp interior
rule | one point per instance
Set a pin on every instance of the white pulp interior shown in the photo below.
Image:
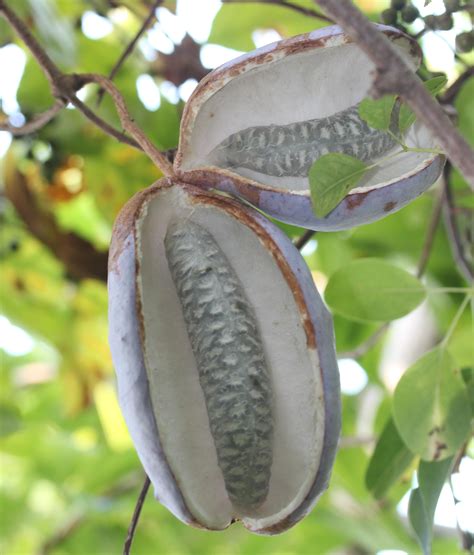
(310, 85)
(176, 394)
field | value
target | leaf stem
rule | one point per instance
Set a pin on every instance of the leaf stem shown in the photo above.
(465, 290)
(130, 47)
(397, 139)
(427, 150)
(455, 321)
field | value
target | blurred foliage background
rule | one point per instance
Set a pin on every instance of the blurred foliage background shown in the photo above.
(69, 474)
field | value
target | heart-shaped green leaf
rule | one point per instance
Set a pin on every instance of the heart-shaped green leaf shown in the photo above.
(377, 113)
(373, 290)
(407, 117)
(331, 177)
(431, 407)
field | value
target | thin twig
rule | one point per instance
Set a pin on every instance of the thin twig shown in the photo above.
(129, 49)
(430, 234)
(67, 529)
(38, 121)
(64, 87)
(300, 242)
(102, 124)
(295, 7)
(394, 76)
(61, 534)
(160, 160)
(365, 347)
(453, 230)
(135, 517)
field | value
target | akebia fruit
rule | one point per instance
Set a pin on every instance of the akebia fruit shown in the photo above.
(254, 126)
(225, 360)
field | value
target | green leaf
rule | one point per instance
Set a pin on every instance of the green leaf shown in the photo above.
(331, 177)
(423, 500)
(418, 519)
(373, 290)
(407, 117)
(389, 461)
(468, 378)
(10, 419)
(432, 394)
(377, 113)
(436, 84)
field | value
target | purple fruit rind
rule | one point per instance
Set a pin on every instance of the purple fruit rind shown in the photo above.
(132, 381)
(325, 345)
(354, 210)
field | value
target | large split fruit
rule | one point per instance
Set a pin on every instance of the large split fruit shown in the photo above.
(254, 127)
(225, 359)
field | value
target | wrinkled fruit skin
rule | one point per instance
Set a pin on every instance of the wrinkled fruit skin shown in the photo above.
(126, 342)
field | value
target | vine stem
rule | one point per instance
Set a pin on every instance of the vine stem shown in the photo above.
(130, 47)
(453, 230)
(449, 96)
(394, 76)
(159, 159)
(430, 234)
(136, 516)
(300, 242)
(38, 121)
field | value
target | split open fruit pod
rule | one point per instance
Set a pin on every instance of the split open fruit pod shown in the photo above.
(225, 359)
(254, 126)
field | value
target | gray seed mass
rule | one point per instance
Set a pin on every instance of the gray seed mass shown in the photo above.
(226, 343)
(290, 150)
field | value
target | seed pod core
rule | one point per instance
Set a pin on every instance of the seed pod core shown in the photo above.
(226, 343)
(290, 150)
